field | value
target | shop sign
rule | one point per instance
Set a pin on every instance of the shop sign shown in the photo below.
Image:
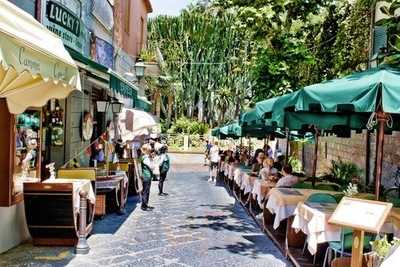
(104, 53)
(67, 25)
(61, 16)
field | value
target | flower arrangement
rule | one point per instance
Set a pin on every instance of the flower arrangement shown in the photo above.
(351, 190)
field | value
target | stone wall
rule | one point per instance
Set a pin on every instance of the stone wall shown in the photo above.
(352, 149)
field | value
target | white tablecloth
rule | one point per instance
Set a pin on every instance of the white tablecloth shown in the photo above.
(312, 219)
(281, 212)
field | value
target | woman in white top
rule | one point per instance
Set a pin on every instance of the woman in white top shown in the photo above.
(288, 179)
(214, 160)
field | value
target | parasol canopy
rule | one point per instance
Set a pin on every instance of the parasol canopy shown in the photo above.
(133, 123)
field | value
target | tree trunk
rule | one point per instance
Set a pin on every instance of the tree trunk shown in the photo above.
(158, 104)
(200, 114)
(237, 109)
(169, 113)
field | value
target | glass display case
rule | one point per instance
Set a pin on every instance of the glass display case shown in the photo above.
(27, 149)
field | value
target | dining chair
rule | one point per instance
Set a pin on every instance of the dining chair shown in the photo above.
(327, 187)
(344, 246)
(321, 198)
(303, 185)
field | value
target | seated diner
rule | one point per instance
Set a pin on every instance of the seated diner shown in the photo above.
(288, 178)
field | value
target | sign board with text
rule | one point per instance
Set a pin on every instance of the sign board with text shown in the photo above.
(67, 25)
(360, 214)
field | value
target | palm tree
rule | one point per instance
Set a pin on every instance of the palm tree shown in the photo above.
(223, 98)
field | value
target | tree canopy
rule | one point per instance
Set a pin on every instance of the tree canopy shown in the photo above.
(228, 54)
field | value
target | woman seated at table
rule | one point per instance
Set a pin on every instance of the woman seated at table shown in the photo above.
(258, 163)
(268, 172)
(288, 178)
(244, 157)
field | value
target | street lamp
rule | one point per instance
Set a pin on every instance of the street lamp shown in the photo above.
(101, 106)
(116, 106)
(139, 69)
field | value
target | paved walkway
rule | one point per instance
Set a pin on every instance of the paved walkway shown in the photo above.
(198, 224)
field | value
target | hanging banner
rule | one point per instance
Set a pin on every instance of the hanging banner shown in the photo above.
(67, 25)
(104, 53)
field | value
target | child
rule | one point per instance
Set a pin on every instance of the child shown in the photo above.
(164, 168)
(268, 172)
(147, 175)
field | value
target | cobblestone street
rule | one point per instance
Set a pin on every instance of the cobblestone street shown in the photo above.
(197, 224)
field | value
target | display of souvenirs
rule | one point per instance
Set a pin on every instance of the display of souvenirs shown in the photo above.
(27, 145)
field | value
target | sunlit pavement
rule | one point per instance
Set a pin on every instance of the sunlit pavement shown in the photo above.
(197, 224)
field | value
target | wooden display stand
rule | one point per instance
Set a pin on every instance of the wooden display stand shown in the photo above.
(360, 215)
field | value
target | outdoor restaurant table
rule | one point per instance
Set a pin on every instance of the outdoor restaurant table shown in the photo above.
(78, 186)
(247, 182)
(283, 201)
(312, 219)
(118, 182)
(238, 174)
(261, 189)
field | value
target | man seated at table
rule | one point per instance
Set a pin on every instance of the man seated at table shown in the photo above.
(288, 179)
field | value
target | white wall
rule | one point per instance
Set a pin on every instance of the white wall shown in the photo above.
(13, 228)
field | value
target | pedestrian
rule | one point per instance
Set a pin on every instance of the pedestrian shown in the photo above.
(147, 175)
(207, 152)
(214, 161)
(164, 168)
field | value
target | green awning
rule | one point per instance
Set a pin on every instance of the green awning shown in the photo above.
(341, 103)
(215, 132)
(122, 86)
(265, 108)
(87, 61)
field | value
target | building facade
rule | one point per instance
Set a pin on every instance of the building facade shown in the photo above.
(103, 60)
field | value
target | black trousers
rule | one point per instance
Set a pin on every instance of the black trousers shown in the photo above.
(163, 176)
(146, 193)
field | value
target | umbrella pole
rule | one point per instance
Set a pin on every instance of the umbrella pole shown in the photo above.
(379, 151)
(314, 172)
(241, 144)
(287, 146)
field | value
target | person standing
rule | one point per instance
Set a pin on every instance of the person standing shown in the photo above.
(164, 168)
(214, 161)
(207, 152)
(147, 175)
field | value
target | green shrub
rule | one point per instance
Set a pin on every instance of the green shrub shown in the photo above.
(296, 164)
(187, 126)
(343, 173)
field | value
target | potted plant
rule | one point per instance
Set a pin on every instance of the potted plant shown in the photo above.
(343, 173)
(381, 249)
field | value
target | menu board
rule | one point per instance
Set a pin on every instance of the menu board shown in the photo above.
(361, 214)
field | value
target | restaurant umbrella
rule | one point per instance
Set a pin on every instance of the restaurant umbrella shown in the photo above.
(34, 65)
(134, 122)
(365, 100)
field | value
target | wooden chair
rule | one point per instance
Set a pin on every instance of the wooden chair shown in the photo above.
(78, 173)
(341, 262)
(123, 166)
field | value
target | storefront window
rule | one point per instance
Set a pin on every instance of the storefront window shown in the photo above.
(27, 5)
(27, 148)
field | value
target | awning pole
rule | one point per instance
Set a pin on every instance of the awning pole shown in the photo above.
(287, 146)
(379, 151)
(314, 173)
